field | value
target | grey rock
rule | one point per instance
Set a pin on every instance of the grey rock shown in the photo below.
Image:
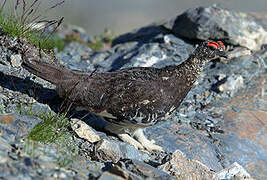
(94, 168)
(234, 171)
(16, 60)
(238, 52)
(130, 152)
(172, 136)
(159, 54)
(109, 176)
(182, 168)
(260, 18)
(236, 108)
(200, 128)
(75, 55)
(157, 49)
(139, 170)
(216, 23)
(37, 108)
(232, 84)
(107, 151)
(17, 125)
(3, 156)
(261, 103)
(110, 150)
(141, 35)
(4, 144)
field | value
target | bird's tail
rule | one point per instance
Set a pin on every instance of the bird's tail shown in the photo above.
(46, 71)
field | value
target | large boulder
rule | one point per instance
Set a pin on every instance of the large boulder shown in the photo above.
(217, 23)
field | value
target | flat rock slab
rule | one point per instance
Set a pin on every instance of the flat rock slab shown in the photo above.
(112, 151)
(17, 125)
(134, 169)
(244, 139)
(182, 168)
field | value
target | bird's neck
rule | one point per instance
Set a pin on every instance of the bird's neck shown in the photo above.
(190, 69)
(192, 66)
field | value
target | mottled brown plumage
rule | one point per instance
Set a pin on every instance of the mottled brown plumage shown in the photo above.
(129, 98)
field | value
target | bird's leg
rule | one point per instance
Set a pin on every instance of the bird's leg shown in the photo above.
(147, 144)
(132, 141)
(120, 131)
(141, 141)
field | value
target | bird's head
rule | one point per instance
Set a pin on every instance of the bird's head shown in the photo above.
(209, 50)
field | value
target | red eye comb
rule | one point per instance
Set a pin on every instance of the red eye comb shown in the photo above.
(221, 43)
(213, 44)
(216, 45)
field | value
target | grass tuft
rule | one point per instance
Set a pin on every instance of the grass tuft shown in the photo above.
(50, 129)
(24, 20)
(54, 129)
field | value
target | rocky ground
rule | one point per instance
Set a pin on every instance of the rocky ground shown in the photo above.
(219, 131)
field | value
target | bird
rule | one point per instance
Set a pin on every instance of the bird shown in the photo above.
(129, 99)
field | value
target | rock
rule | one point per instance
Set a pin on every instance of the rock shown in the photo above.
(117, 170)
(234, 171)
(17, 125)
(135, 169)
(84, 131)
(107, 151)
(238, 52)
(217, 23)
(261, 18)
(110, 150)
(109, 176)
(73, 57)
(221, 77)
(128, 151)
(6, 119)
(37, 108)
(154, 47)
(16, 60)
(3, 157)
(242, 139)
(232, 84)
(4, 145)
(158, 54)
(182, 168)
(141, 35)
(210, 126)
